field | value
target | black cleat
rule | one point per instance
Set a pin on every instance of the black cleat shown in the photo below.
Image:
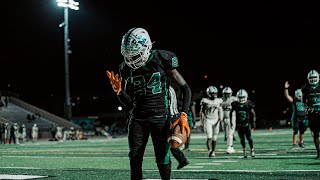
(245, 154)
(182, 164)
(301, 145)
(211, 154)
(294, 145)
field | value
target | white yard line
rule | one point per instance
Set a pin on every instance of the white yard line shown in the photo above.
(11, 176)
(253, 171)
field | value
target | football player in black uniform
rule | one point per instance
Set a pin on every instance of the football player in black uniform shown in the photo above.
(147, 75)
(299, 120)
(311, 97)
(244, 109)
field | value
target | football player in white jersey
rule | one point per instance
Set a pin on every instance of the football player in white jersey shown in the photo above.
(211, 114)
(227, 99)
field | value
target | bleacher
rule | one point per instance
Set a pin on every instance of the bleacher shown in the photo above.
(21, 112)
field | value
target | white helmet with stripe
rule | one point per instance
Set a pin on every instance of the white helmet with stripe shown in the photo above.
(313, 77)
(242, 96)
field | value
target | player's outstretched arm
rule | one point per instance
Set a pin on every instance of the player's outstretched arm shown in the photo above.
(115, 82)
(186, 91)
(253, 118)
(286, 92)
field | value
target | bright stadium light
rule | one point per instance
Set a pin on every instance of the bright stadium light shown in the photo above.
(66, 4)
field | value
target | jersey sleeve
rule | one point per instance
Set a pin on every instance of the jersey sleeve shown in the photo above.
(168, 59)
(202, 105)
(233, 104)
(251, 105)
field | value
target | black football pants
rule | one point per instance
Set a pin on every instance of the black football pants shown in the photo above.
(139, 131)
(245, 132)
(178, 155)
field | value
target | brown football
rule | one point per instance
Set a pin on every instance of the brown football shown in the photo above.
(176, 138)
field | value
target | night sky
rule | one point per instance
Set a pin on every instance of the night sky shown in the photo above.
(255, 46)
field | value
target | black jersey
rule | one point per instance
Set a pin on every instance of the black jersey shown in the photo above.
(148, 86)
(243, 112)
(311, 95)
(298, 109)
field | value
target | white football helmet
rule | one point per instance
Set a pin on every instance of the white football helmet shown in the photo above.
(242, 96)
(227, 92)
(313, 77)
(136, 47)
(298, 94)
(212, 92)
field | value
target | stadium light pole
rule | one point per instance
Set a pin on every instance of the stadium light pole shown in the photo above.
(66, 4)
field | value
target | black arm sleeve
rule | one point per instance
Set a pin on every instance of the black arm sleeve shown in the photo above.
(186, 98)
(124, 98)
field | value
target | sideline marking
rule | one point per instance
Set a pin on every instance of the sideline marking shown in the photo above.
(208, 164)
(193, 167)
(19, 168)
(224, 161)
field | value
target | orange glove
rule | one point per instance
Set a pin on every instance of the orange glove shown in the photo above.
(115, 81)
(253, 126)
(183, 122)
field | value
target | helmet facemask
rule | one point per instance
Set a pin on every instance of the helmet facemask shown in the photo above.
(227, 92)
(226, 95)
(313, 77)
(242, 99)
(136, 47)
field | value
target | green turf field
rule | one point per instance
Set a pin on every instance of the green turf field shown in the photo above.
(98, 158)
